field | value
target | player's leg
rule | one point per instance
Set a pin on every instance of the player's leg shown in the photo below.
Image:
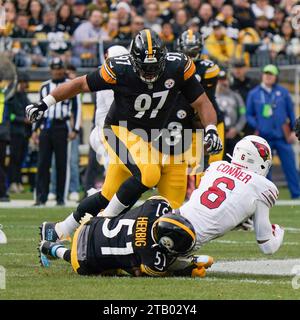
(51, 250)
(173, 183)
(116, 175)
(287, 158)
(44, 163)
(127, 148)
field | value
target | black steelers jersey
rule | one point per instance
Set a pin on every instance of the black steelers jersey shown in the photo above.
(175, 139)
(141, 105)
(125, 242)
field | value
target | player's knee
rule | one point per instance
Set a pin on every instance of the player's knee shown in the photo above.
(150, 175)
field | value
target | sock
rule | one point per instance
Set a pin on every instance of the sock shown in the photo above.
(92, 205)
(60, 252)
(114, 208)
(67, 256)
(66, 227)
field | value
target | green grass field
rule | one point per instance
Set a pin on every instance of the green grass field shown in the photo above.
(25, 279)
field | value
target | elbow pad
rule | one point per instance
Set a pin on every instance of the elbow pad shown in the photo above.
(272, 245)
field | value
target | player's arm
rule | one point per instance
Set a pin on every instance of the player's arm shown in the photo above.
(269, 236)
(101, 79)
(194, 93)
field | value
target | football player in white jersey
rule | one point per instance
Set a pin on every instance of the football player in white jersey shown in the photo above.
(231, 193)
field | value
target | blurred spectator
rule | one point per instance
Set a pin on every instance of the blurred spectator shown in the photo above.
(234, 110)
(10, 17)
(4, 140)
(20, 131)
(137, 24)
(278, 20)
(219, 46)
(112, 29)
(231, 24)
(239, 81)
(205, 16)
(270, 112)
(151, 17)
(243, 13)
(22, 6)
(25, 51)
(262, 8)
(65, 19)
(88, 35)
(167, 35)
(193, 7)
(79, 12)
(216, 6)
(290, 40)
(175, 5)
(180, 22)
(36, 15)
(123, 12)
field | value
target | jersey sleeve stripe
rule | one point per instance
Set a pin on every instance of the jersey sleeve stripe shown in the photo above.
(275, 196)
(106, 75)
(212, 72)
(151, 272)
(189, 69)
(109, 70)
(268, 200)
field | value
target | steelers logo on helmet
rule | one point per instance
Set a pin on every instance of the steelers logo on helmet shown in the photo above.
(148, 55)
(181, 114)
(169, 83)
(174, 234)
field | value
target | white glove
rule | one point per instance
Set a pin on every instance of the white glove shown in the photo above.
(212, 140)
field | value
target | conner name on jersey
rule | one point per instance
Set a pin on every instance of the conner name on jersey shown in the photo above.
(234, 172)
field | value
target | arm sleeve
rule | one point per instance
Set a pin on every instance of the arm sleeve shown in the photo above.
(250, 111)
(76, 109)
(103, 78)
(192, 89)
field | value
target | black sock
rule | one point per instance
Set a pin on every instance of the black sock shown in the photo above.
(130, 191)
(67, 256)
(92, 205)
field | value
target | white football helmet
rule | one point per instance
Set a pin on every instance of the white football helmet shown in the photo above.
(253, 153)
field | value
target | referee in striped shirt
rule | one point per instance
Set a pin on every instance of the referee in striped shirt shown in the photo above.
(59, 125)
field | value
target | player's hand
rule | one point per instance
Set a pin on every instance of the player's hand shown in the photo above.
(35, 111)
(297, 128)
(212, 140)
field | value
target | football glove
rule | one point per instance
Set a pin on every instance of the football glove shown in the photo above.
(297, 128)
(35, 111)
(212, 140)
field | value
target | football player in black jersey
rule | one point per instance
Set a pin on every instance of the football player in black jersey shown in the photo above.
(143, 241)
(191, 43)
(145, 84)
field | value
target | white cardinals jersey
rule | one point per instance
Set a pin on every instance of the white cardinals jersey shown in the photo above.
(226, 197)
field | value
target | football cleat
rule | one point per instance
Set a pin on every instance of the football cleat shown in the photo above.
(203, 261)
(47, 250)
(47, 232)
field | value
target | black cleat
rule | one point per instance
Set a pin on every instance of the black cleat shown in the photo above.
(47, 250)
(47, 232)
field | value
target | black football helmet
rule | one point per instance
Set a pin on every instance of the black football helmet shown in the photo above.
(190, 43)
(148, 55)
(174, 234)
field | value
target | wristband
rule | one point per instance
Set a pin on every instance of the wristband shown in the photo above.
(211, 127)
(49, 100)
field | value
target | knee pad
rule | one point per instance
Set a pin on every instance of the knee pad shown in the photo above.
(150, 175)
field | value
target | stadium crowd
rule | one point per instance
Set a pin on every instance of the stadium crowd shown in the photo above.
(236, 34)
(253, 30)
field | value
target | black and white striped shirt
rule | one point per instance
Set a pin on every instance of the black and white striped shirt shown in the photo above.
(63, 110)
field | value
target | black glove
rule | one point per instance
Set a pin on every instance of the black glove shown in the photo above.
(35, 111)
(212, 140)
(297, 128)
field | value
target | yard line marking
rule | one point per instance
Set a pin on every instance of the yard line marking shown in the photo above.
(289, 243)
